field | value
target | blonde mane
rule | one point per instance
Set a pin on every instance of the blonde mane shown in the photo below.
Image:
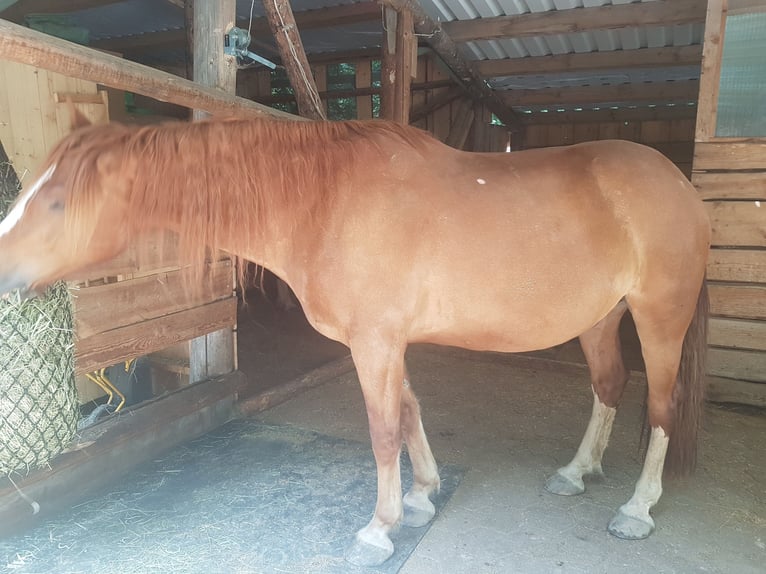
(220, 178)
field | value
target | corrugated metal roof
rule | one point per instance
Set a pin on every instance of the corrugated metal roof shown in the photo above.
(134, 17)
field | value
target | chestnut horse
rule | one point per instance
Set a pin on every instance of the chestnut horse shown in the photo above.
(388, 237)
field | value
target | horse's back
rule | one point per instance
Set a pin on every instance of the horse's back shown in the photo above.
(508, 252)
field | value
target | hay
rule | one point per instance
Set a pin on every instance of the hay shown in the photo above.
(38, 401)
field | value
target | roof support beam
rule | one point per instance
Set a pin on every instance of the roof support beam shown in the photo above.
(464, 71)
(21, 8)
(668, 113)
(646, 92)
(279, 13)
(19, 44)
(593, 61)
(307, 20)
(612, 17)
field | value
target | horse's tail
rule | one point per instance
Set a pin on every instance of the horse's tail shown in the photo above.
(689, 395)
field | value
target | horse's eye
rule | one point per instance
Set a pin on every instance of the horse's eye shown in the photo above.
(57, 205)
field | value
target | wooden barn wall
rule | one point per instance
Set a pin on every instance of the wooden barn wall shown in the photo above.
(673, 138)
(731, 179)
(136, 304)
(730, 175)
(458, 122)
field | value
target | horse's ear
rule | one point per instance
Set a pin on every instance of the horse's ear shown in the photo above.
(76, 118)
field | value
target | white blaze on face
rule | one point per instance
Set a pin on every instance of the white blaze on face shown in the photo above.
(17, 212)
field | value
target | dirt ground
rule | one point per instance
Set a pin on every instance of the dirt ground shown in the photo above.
(510, 427)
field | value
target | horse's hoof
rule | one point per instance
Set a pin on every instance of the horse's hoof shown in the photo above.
(418, 510)
(630, 527)
(564, 486)
(369, 553)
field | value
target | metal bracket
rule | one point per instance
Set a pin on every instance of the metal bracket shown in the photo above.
(236, 43)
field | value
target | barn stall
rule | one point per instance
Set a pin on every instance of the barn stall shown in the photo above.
(480, 81)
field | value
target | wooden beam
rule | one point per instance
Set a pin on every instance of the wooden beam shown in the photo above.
(609, 115)
(657, 92)
(571, 21)
(593, 61)
(388, 64)
(712, 53)
(461, 125)
(112, 448)
(20, 9)
(213, 354)
(356, 92)
(285, 31)
(404, 52)
(435, 103)
(19, 44)
(447, 50)
(335, 16)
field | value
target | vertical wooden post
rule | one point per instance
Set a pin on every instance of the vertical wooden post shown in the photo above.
(214, 354)
(388, 64)
(405, 69)
(285, 31)
(710, 77)
(363, 80)
(399, 64)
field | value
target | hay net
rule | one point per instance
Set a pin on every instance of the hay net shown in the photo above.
(38, 400)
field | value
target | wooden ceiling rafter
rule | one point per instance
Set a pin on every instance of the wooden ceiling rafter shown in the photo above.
(678, 91)
(464, 71)
(16, 12)
(593, 61)
(610, 17)
(606, 115)
(331, 17)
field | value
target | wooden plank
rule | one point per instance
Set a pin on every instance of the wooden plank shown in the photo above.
(722, 390)
(249, 406)
(461, 125)
(406, 46)
(660, 13)
(655, 131)
(738, 223)
(738, 301)
(26, 150)
(737, 155)
(117, 446)
(329, 17)
(463, 70)
(19, 44)
(156, 252)
(610, 115)
(153, 335)
(710, 77)
(388, 64)
(731, 185)
(213, 353)
(363, 79)
(284, 30)
(106, 307)
(738, 333)
(592, 61)
(737, 265)
(654, 92)
(737, 364)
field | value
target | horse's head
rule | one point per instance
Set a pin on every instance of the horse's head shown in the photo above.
(72, 216)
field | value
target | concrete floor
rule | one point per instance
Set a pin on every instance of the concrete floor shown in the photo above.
(511, 427)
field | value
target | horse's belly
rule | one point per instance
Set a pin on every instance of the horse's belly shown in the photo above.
(483, 323)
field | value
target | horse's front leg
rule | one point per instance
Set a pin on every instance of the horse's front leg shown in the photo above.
(379, 363)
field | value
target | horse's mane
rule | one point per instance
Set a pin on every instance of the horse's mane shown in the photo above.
(222, 177)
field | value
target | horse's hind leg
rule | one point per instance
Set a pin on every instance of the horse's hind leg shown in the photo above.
(418, 508)
(601, 346)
